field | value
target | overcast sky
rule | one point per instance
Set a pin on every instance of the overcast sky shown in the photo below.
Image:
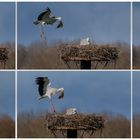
(7, 93)
(136, 92)
(7, 22)
(87, 91)
(136, 23)
(103, 22)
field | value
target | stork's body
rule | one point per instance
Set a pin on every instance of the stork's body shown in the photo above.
(71, 111)
(51, 92)
(45, 90)
(85, 41)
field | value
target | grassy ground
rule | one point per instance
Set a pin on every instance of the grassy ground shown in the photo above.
(7, 127)
(136, 125)
(136, 57)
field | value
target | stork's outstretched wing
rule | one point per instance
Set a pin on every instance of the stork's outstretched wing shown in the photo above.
(45, 14)
(60, 25)
(43, 82)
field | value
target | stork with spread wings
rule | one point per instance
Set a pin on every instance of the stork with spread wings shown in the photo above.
(46, 18)
(45, 90)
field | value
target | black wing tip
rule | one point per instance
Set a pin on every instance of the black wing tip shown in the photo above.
(61, 96)
(48, 9)
(60, 25)
(40, 79)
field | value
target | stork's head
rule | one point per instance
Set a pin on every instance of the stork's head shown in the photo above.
(61, 90)
(87, 39)
(74, 110)
(59, 18)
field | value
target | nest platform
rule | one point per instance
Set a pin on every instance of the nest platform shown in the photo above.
(96, 53)
(3, 55)
(77, 121)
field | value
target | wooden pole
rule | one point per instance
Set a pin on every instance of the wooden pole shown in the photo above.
(71, 133)
(85, 64)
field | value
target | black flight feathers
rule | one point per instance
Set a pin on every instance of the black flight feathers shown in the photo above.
(44, 14)
(42, 83)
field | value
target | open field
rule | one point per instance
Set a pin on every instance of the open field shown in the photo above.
(136, 125)
(35, 56)
(10, 63)
(136, 57)
(31, 125)
(7, 127)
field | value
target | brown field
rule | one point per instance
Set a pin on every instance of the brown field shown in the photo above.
(10, 63)
(7, 127)
(31, 125)
(35, 56)
(136, 57)
(136, 125)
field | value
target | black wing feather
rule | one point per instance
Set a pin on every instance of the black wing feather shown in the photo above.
(44, 14)
(42, 83)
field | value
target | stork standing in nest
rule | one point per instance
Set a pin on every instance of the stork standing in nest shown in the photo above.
(46, 91)
(85, 41)
(46, 18)
(71, 111)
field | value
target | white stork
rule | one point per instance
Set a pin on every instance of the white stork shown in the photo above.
(85, 41)
(46, 18)
(45, 90)
(71, 111)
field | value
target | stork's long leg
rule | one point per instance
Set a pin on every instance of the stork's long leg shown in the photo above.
(42, 35)
(52, 106)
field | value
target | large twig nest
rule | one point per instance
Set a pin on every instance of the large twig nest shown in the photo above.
(89, 52)
(77, 121)
(3, 54)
